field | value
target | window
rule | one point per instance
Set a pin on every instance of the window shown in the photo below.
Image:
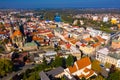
(97, 55)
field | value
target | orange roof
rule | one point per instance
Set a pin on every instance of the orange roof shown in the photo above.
(68, 46)
(34, 27)
(44, 31)
(61, 42)
(2, 32)
(73, 41)
(37, 38)
(100, 39)
(41, 31)
(96, 44)
(7, 25)
(91, 72)
(72, 69)
(83, 45)
(86, 70)
(82, 63)
(81, 76)
(50, 35)
(68, 38)
(87, 39)
(16, 33)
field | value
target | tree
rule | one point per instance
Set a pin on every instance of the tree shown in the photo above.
(114, 76)
(63, 78)
(107, 65)
(57, 48)
(69, 60)
(112, 68)
(1, 49)
(57, 62)
(96, 66)
(99, 77)
(24, 76)
(33, 76)
(83, 78)
(44, 61)
(6, 66)
(2, 27)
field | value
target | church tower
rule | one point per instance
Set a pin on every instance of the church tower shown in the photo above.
(57, 18)
(17, 37)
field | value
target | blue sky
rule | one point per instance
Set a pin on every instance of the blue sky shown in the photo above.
(59, 3)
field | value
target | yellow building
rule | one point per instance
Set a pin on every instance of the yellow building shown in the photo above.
(87, 49)
(113, 20)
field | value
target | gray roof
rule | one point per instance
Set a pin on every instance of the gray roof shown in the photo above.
(114, 55)
(43, 76)
(55, 71)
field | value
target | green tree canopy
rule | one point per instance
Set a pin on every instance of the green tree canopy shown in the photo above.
(99, 77)
(69, 60)
(57, 62)
(114, 76)
(6, 66)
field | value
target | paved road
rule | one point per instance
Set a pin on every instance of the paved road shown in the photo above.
(9, 76)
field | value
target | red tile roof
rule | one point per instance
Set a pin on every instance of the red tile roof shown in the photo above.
(91, 72)
(2, 32)
(72, 69)
(37, 38)
(16, 33)
(68, 45)
(96, 44)
(82, 63)
(100, 39)
(87, 39)
(83, 45)
(50, 35)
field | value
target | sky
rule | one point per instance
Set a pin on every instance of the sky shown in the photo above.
(59, 3)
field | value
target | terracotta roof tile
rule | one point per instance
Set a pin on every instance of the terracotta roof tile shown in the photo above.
(16, 33)
(87, 39)
(86, 70)
(2, 32)
(81, 76)
(100, 39)
(73, 41)
(82, 63)
(72, 69)
(7, 25)
(61, 42)
(83, 45)
(68, 46)
(96, 44)
(50, 35)
(91, 72)
(37, 38)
